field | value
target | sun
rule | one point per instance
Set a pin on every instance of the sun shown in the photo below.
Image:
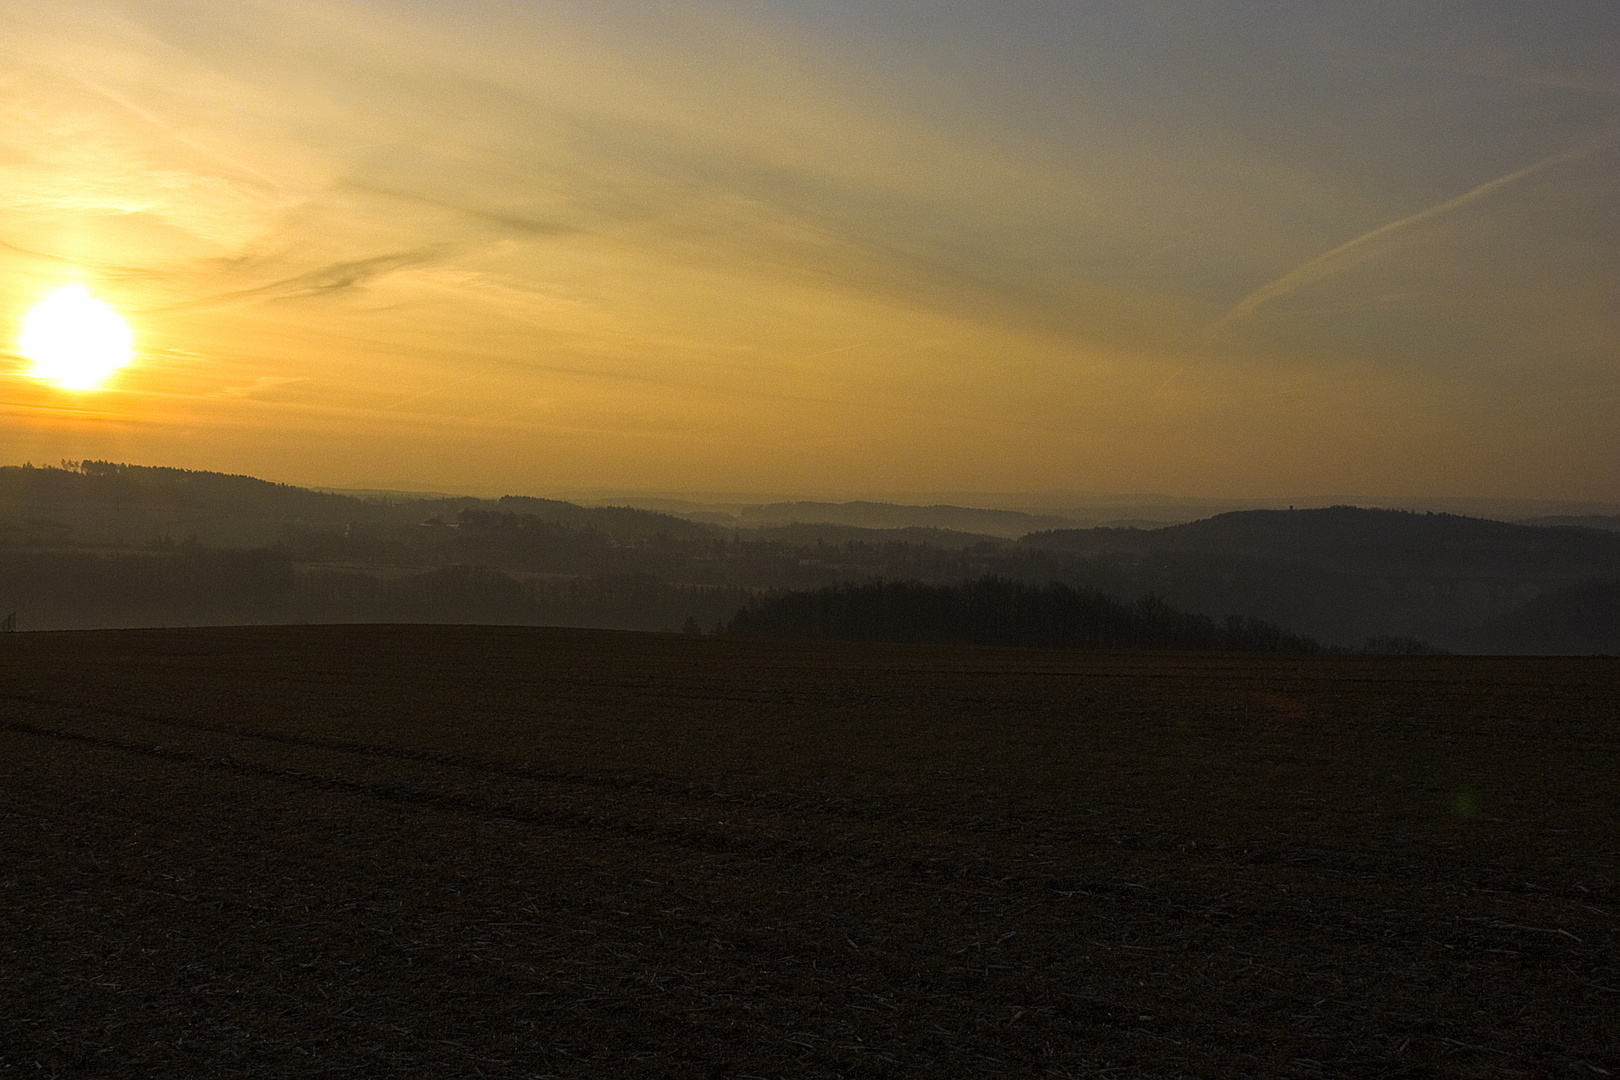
(74, 340)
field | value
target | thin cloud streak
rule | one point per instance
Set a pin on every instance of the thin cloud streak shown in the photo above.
(430, 392)
(169, 130)
(41, 255)
(1332, 261)
(323, 281)
(510, 222)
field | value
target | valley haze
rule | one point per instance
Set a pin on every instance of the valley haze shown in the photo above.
(93, 543)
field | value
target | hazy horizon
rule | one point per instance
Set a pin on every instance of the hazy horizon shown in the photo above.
(1233, 251)
(1029, 502)
(1032, 502)
(1091, 506)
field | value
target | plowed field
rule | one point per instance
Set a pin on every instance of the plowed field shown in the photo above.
(507, 852)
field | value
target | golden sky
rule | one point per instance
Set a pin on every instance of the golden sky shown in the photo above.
(865, 248)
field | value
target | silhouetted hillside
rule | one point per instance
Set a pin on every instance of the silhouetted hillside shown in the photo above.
(105, 483)
(624, 524)
(104, 505)
(191, 586)
(1007, 524)
(1344, 574)
(1353, 538)
(1341, 575)
(1606, 522)
(809, 533)
(1579, 619)
(97, 504)
(995, 611)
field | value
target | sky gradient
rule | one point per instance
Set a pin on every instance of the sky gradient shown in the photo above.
(1212, 249)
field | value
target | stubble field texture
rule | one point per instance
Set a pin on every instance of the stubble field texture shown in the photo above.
(514, 852)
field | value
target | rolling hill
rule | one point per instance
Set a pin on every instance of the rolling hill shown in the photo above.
(98, 543)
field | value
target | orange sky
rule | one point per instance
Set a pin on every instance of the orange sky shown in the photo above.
(864, 249)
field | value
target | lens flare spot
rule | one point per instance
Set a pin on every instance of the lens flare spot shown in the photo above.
(74, 340)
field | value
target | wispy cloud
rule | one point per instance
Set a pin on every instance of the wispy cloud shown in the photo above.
(173, 132)
(259, 385)
(323, 281)
(510, 222)
(1352, 251)
(31, 254)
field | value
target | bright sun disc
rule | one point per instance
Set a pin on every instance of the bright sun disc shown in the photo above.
(74, 340)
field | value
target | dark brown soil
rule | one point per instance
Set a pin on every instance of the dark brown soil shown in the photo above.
(503, 852)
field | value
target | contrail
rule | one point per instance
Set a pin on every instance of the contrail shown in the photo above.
(1329, 262)
(434, 390)
(841, 348)
(171, 132)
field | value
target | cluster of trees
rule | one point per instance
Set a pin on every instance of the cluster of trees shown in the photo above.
(998, 611)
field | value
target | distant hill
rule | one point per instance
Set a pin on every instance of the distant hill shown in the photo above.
(1607, 522)
(623, 523)
(1354, 538)
(1341, 575)
(1007, 524)
(105, 504)
(1579, 619)
(801, 533)
(1345, 573)
(105, 483)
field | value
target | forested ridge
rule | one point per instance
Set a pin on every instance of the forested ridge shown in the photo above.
(996, 611)
(98, 543)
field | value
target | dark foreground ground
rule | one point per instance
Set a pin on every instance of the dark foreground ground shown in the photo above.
(441, 851)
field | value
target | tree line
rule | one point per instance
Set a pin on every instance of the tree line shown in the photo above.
(998, 611)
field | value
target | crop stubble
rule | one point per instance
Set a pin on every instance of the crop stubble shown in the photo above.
(464, 851)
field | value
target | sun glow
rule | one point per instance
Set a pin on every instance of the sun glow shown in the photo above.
(74, 340)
